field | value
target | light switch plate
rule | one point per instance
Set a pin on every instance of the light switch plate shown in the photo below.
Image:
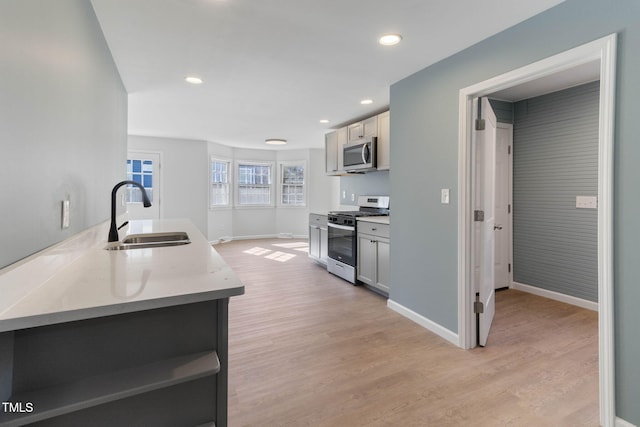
(444, 196)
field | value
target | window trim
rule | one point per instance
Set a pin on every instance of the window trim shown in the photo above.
(281, 165)
(236, 184)
(229, 183)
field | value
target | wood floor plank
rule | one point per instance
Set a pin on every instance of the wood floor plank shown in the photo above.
(309, 349)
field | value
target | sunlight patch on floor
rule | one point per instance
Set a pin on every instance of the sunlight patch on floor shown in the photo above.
(296, 246)
(280, 256)
(258, 251)
(292, 245)
(272, 255)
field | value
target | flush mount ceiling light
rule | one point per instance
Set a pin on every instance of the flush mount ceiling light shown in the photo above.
(366, 101)
(390, 39)
(193, 80)
(324, 121)
(275, 141)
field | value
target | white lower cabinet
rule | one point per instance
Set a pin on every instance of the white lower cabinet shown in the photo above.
(318, 238)
(373, 255)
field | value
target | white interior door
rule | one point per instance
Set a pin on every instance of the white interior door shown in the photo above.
(144, 168)
(503, 210)
(484, 141)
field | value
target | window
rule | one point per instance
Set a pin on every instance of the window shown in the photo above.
(219, 188)
(140, 171)
(292, 183)
(254, 184)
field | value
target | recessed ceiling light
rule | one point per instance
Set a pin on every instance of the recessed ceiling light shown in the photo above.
(324, 121)
(390, 39)
(366, 101)
(275, 141)
(193, 80)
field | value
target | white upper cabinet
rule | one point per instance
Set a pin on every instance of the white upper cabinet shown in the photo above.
(331, 152)
(342, 140)
(333, 143)
(383, 147)
(378, 126)
(365, 128)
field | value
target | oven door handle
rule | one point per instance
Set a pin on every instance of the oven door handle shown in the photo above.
(342, 227)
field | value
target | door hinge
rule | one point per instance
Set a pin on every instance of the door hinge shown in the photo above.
(479, 120)
(508, 208)
(509, 268)
(478, 307)
(508, 149)
(478, 216)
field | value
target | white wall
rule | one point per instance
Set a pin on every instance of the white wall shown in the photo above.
(324, 190)
(63, 123)
(185, 188)
(247, 222)
(183, 177)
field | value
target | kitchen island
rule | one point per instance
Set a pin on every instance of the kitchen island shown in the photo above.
(131, 337)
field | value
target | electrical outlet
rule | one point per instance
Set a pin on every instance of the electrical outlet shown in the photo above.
(65, 213)
(344, 195)
(587, 202)
(353, 197)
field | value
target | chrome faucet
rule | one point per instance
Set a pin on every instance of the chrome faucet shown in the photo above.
(113, 230)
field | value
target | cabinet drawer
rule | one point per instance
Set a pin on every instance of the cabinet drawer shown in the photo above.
(381, 230)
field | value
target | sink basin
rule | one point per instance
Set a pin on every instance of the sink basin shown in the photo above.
(171, 236)
(151, 240)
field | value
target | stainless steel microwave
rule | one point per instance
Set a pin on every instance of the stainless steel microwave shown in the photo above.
(360, 156)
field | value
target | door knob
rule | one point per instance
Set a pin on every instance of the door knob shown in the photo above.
(497, 227)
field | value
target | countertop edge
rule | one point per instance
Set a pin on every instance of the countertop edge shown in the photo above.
(376, 219)
(47, 319)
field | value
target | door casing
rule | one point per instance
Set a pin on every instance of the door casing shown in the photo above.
(604, 51)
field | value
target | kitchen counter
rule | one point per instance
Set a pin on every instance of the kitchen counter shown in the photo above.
(127, 337)
(102, 282)
(376, 219)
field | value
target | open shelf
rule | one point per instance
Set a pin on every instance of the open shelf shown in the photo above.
(92, 391)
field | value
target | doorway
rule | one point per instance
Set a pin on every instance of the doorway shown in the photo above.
(602, 52)
(144, 168)
(503, 204)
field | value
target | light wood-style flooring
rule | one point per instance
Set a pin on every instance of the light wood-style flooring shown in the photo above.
(309, 349)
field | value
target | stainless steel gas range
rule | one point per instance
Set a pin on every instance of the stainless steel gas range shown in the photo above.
(343, 240)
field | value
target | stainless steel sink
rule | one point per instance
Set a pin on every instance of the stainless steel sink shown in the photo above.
(151, 240)
(171, 236)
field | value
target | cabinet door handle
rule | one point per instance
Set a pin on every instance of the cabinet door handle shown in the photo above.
(373, 229)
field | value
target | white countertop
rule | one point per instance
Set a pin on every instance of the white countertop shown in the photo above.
(376, 219)
(54, 287)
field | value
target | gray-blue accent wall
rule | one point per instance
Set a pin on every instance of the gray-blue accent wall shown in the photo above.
(424, 159)
(555, 159)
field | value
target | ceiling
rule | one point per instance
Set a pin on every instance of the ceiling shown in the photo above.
(576, 75)
(275, 68)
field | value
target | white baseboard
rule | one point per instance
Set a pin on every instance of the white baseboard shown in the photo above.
(590, 305)
(424, 322)
(292, 236)
(226, 239)
(622, 423)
